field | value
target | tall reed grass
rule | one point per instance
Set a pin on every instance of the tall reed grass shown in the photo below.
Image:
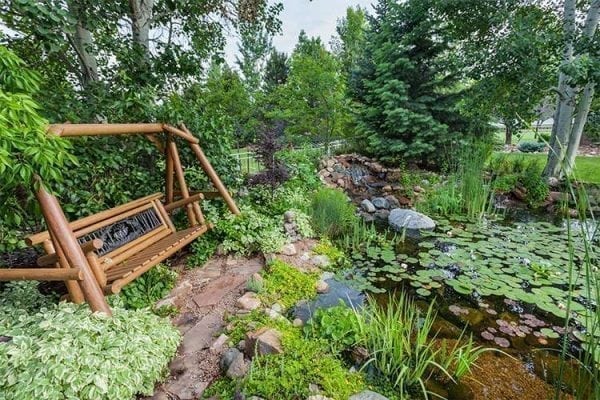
(467, 191)
(588, 374)
(404, 349)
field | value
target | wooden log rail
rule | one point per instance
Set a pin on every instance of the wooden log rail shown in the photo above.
(40, 274)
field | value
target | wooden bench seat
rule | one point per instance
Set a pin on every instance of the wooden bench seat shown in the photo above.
(121, 274)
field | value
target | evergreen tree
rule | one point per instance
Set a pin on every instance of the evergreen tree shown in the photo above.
(407, 85)
(276, 70)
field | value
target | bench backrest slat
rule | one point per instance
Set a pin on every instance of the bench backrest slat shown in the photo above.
(103, 215)
(122, 229)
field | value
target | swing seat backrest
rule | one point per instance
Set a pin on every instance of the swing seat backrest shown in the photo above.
(132, 238)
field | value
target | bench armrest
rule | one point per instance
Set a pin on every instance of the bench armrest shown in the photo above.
(87, 247)
(183, 202)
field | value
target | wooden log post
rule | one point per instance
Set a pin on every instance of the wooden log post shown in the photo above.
(40, 274)
(73, 287)
(65, 238)
(181, 180)
(169, 171)
(212, 175)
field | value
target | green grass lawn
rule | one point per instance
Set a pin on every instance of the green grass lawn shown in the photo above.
(525, 135)
(587, 169)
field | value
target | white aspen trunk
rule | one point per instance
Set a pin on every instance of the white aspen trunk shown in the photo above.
(583, 107)
(565, 105)
(83, 43)
(141, 16)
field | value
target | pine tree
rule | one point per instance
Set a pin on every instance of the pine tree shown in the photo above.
(407, 86)
(276, 70)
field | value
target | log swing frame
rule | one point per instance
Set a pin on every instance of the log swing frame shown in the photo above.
(92, 268)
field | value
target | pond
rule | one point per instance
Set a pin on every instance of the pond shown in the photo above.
(511, 283)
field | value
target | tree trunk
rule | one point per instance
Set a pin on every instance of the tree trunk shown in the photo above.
(583, 108)
(507, 135)
(83, 44)
(141, 16)
(564, 110)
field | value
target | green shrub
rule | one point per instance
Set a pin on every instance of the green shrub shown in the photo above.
(445, 199)
(332, 213)
(338, 326)
(531, 147)
(286, 285)
(536, 186)
(250, 232)
(203, 249)
(66, 352)
(149, 288)
(398, 337)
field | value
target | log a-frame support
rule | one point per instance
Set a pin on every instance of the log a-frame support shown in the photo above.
(99, 254)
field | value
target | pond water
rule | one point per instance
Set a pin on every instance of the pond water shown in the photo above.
(511, 283)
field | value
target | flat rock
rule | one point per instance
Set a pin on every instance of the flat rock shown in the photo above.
(288, 250)
(413, 221)
(219, 343)
(367, 395)
(320, 260)
(249, 301)
(367, 206)
(186, 388)
(201, 335)
(217, 289)
(263, 341)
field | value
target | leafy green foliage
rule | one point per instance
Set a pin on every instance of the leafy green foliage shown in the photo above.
(331, 212)
(335, 255)
(286, 285)
(202, 249)
(73, 353)
(250, 232)
(519, 173)
(288, 375)
(312, 101)
(25, 148)
(338, 326)
(149, 288)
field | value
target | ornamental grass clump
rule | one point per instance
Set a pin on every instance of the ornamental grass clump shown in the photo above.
(66, 352)
(332, 213)
(404, 350)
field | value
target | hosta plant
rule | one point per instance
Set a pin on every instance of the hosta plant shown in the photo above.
(66, 352)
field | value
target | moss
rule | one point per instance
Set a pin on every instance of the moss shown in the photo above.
(286, 285)
(288, 375)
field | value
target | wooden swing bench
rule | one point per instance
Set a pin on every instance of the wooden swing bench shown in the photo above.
(100, 254)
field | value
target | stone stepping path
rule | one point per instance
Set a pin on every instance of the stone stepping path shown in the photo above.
(204, 295)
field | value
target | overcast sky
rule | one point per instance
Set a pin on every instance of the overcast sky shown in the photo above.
(317, 18)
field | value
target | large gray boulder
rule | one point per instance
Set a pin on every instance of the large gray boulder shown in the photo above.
(413, 221)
